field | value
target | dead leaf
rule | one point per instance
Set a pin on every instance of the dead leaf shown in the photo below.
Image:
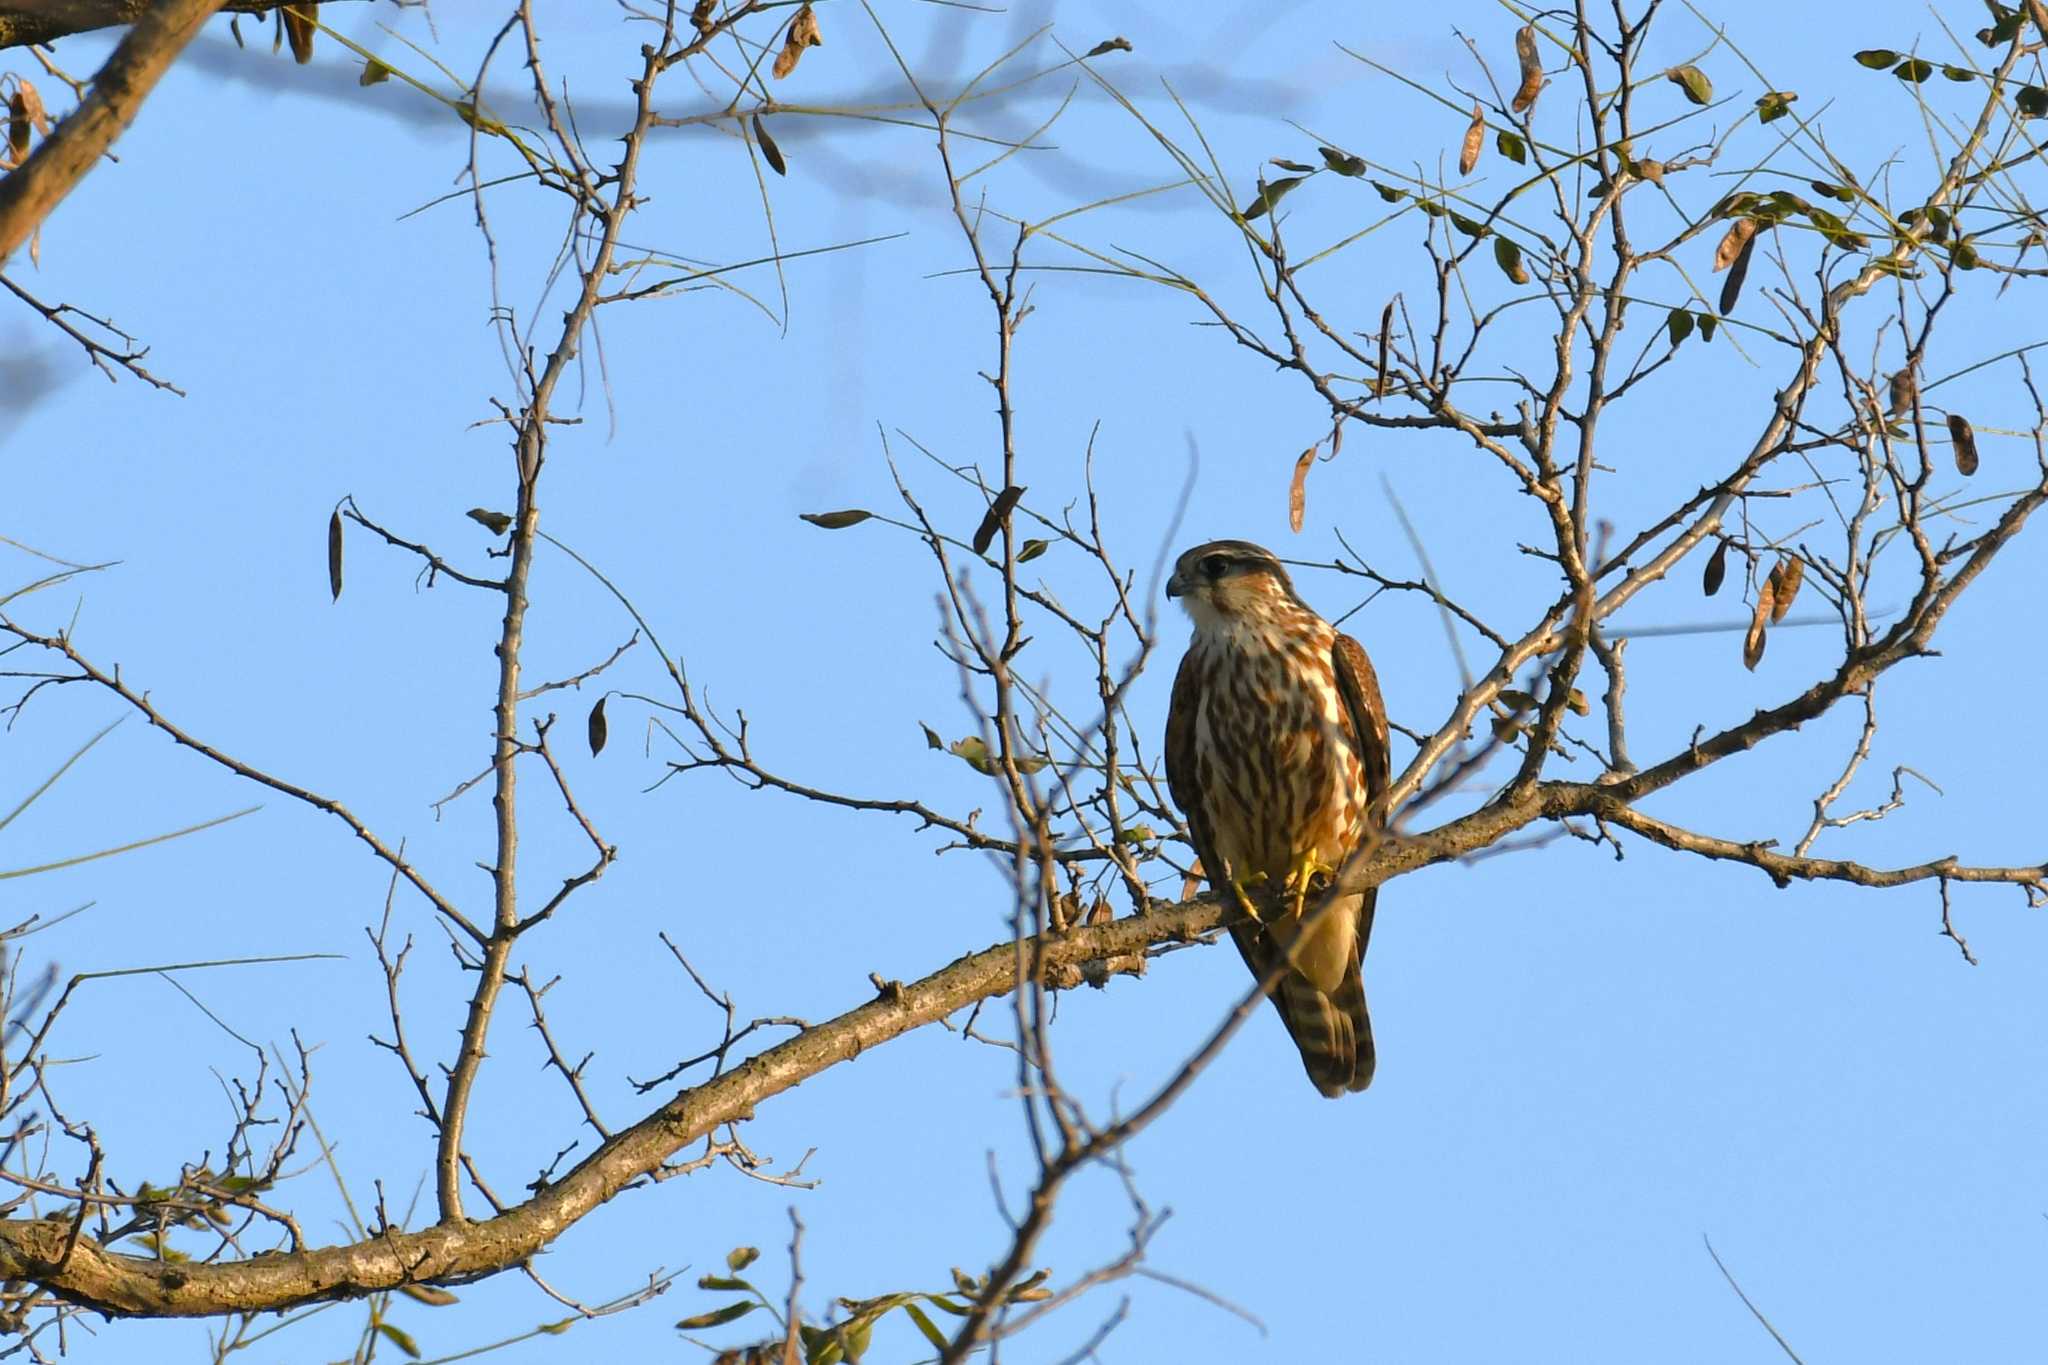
(374, 72)
(298, 27)
(1297, 489)
(1753, 643)
(992, 520)
(1531, 63)
(1475, 137)
(1116, 44)
(1739, 234)
(1784, 585)
(802, 33)
(596, 728)
(1964, 439)
(17, 128)
(700, 17)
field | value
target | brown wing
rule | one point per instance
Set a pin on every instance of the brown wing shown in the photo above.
(1360, 688)
(1181, 769)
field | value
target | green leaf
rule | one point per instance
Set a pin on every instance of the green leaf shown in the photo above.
(1708, 322)
(854, 1337)
(1469, 227)
(1679, 325)
(926, 1326)
(497, 523)
(725, 1282)
(1693, 82)
(1964, 254)
(1959, 73)
(1838, 192)
(1284, 164)
(1511, 146)
(398, 1337)
(1914, 69)
(1775, 105)
(1507, 254)
(1388, 192)
(1343, 163)
(836, 521)
(1877, 58)
(1135, 834)
(2031, 101)
(739, 1258)
(718, 1317)
(1270, 194)
(974, 753)
(942, 1302)
(931, 737)
(1031, 549)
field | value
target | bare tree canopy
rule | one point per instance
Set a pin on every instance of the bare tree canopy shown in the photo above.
(589, 499)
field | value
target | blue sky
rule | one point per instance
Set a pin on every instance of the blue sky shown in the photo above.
(1585, 1066)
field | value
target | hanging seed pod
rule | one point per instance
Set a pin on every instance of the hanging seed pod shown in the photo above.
(1753, 643)
(597, 728)
(334, 554)
(1475, 137)
(1784, 584)
(1531, 63)
(1297, 490)
(769, 150)
(1717, 570)
(1731, 288)
(1732, 245)
(1964, 439)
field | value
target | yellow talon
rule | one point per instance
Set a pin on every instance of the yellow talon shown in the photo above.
(1244, 898)
(1305, 872)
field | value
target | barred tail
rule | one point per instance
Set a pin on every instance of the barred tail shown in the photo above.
(1333, 1031)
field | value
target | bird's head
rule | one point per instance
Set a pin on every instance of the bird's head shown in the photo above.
(1229, 583)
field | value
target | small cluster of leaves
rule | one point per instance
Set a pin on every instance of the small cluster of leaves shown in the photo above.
(848, 1340)
(1912, 70)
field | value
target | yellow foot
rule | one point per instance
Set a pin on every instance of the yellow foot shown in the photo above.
(1302, 876)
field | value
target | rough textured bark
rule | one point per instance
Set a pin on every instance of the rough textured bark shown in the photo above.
(43, 21)
(29, 192)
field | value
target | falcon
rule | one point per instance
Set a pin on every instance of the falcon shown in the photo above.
(1276, 751)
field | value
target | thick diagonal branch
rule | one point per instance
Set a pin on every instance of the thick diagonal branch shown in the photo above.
(28, 193)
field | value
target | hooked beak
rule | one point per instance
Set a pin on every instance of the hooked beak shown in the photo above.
(1176, 585)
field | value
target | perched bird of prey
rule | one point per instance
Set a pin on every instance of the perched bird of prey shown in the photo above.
(1276, 751)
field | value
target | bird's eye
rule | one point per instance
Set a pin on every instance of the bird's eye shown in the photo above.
(1215, 565)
